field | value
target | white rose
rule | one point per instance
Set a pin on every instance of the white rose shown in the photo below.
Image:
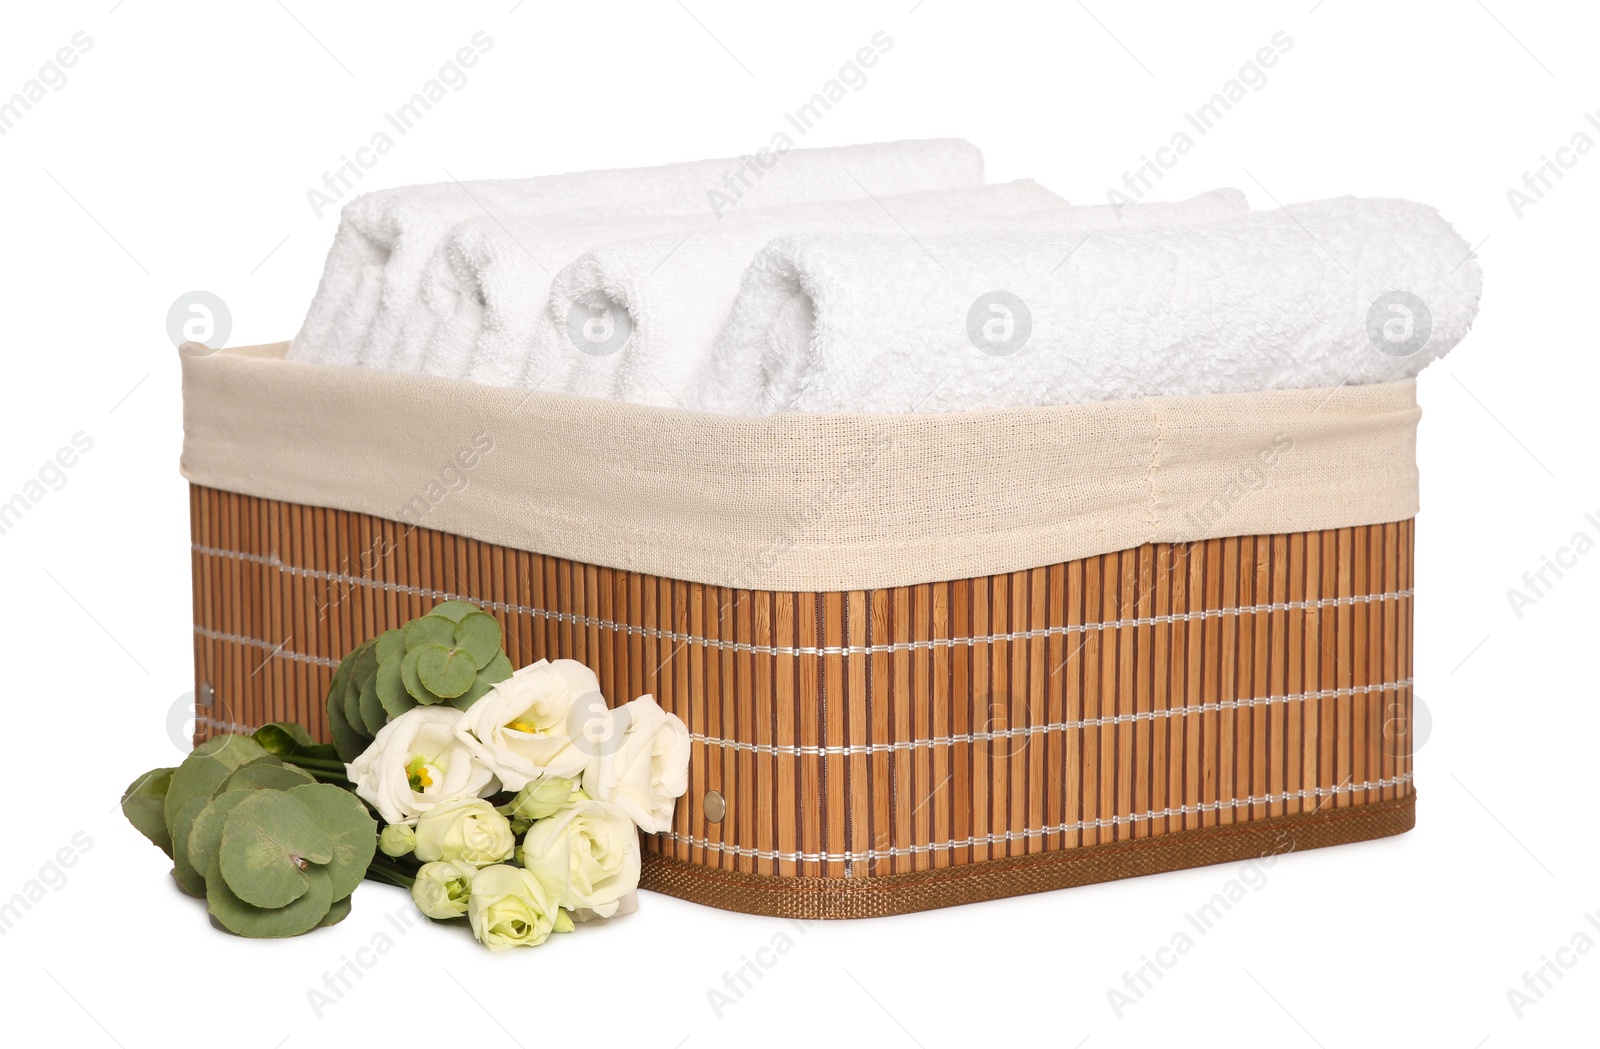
(467, 829)
(520, 730)
(416, 762)
(586, 857)
(627, 905)
(644, 769)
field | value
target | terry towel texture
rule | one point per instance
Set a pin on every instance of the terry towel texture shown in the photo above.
(671, 293)
(1329, 293)
(373, 272)
(790, 501)
(483, 311)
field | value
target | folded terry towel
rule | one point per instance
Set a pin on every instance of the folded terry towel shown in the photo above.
(1320, 294)
(371, 278)
(674, 291)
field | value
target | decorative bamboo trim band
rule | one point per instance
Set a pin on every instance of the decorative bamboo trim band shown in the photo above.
(854, 738)
(1039, 832)
(821, 898)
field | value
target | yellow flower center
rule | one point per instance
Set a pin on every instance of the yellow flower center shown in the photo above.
(417, 774)
(529, 727)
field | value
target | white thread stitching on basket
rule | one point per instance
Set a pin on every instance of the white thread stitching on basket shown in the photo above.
(846, 750)
(1025, 732)
(723, 645)
(1035, 832)
(256, 642)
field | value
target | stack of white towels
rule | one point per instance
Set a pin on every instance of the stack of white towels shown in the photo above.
(880, 278)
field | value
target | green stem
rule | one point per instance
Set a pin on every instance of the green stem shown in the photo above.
(327, 764)
(389, 872)
(324, 770)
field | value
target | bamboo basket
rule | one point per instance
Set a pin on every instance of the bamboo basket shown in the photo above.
(877, 751)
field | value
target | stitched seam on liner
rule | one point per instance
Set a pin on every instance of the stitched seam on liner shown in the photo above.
(1038, 832)
(719, 644)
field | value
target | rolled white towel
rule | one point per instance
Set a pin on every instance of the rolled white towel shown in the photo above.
(1321, 294)
(486, 289)
(731, 378)
(390, 234)
(668, 296)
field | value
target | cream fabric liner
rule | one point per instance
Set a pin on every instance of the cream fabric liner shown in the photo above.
(796, 502)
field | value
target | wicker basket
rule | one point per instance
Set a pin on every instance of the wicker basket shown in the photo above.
(875, 752)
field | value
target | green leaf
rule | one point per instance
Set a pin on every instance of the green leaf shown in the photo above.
(336, 687)
(445, 672)
(348, 830)
(479, 634)
(391, 687)
(188, 877)
(414, 685)
(372, 713)
(144, 803)
(238, 915)
(389, 643)
(429, 630)
(205, 834)
(283, 738)
(205, 769)
(351, 698)
(347, 741)
(264, 776)
(269, 843)
(359, 671)
(455, 611)
(499, 669)
(337, 913)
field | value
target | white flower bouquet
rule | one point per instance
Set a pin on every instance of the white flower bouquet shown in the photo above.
(511, 799)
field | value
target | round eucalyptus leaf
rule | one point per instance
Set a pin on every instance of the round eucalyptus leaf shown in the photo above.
(429, 630)
(365, 669)
(283, 738)
(389, 643)
(205, 833)
(264, 776)
(346, 740)
(391, 687)
(205, 769)
(336, 913)
(144, 804)
(270, 842)
(498, 670)
(446, 672)
(188, 877)
(349, 831)
(479, 634)
(413, 683)
(454, 611)
(372, 714)
(360, 669)
(238, 915)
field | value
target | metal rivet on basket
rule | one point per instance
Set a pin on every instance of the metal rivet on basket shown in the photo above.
(715, 807)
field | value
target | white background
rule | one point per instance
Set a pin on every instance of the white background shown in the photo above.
(177, 157)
